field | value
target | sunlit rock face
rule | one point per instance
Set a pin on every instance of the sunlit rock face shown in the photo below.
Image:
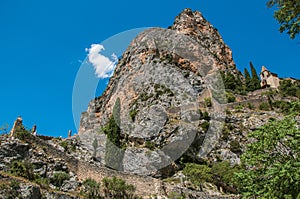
(157, 90)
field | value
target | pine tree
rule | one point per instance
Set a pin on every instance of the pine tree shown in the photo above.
(247, 79)
(255, 82)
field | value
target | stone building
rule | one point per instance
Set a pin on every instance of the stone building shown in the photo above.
(268, 79)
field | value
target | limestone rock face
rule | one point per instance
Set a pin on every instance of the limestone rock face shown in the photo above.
(161, 82)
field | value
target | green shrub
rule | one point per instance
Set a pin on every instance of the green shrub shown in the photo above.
(287, 88)
(23, 134)
(150, 145)
(204, 116)
(235, 146)
(205, 126)
(284, 106)
(198, 174)
(117, 188)
(23, 169)
(264, 106)
(43, 182)
(67, 146)
(207, 102)
(225, 134)
(11, 189)
(162, 89)
(225, 173)
(145, 96)
(250, 106)
(59, 178)
(239, 107)
(91, 189)
(176, 195)
(64, 144)
(228, 112)
(133, 113)
(230, 97)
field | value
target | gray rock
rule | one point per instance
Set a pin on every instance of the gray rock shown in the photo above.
(30, 192)
(69, 185)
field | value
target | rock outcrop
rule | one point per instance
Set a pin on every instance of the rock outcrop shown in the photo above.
(160, 82)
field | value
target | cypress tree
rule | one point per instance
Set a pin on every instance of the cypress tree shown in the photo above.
(255, 82)
(114, 153)
(247, 79)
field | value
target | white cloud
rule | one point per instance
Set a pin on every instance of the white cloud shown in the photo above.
(104, 66)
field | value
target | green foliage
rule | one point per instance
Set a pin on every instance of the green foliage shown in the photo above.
(43, 182)
(113, 149)
(112, 129)
(247, 79)
(295, 108)
(207, 102)
(161, 89)
(287, 88)
(226, 131)
(230, 97)
(22, 134)
(284, 106)
(239, 107)
(176, 195)
(91, 189)
(150, 145)
(11, 189)
(204, 116)
(235, 146)
(288, 15)
(59, 178)
(232, 82)
(287, 107)
(198, 174)
(250, 106)
(117, 188)
(273, 160)
(205, 126)
(264, 106)
(145, 96)
(224, 172)
(23, 169)
(67, 146)
(255, 82)
(133, 113)
(64, 144)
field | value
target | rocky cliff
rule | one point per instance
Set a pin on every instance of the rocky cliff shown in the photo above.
(158, 87)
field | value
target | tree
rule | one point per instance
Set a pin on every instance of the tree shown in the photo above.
(113, 149)
(247, 79)
(288, 15)
(255, 82)
(287, 88)
(273, 161)
(112, 129)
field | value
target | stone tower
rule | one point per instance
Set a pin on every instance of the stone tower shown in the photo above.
(268, 79)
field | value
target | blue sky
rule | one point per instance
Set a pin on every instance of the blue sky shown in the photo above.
(44, 42)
